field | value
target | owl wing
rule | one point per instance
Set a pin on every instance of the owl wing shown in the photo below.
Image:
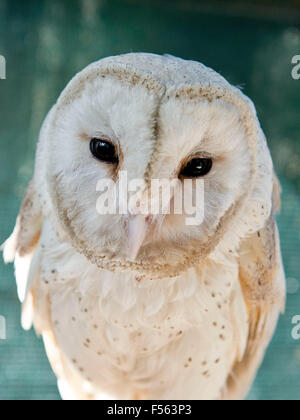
(27, 230)
(263, 283)
(22, 248)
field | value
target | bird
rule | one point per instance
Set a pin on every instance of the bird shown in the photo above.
(140, 306)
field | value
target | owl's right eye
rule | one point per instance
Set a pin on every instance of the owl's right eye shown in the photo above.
(104, 151)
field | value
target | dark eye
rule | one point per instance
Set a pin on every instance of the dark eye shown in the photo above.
(104, 151)
(196, 168)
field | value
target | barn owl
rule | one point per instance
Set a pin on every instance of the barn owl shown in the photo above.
(134, 306)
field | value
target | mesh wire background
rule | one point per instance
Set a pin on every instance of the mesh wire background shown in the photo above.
(45, 42)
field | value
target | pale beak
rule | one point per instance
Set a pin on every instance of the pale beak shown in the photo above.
(138, 227)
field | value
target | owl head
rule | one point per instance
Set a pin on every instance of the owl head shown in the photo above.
(153, 118)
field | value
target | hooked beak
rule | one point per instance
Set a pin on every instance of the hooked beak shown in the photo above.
(138, 227)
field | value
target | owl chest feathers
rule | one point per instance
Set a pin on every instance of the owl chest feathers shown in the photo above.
(115, 328)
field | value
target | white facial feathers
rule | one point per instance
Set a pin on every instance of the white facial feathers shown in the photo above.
(158, 112)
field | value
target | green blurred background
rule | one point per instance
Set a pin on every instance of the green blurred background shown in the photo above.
(46, 42)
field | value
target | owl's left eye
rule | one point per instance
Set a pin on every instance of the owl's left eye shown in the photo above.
(104, 150)
(196, 168)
